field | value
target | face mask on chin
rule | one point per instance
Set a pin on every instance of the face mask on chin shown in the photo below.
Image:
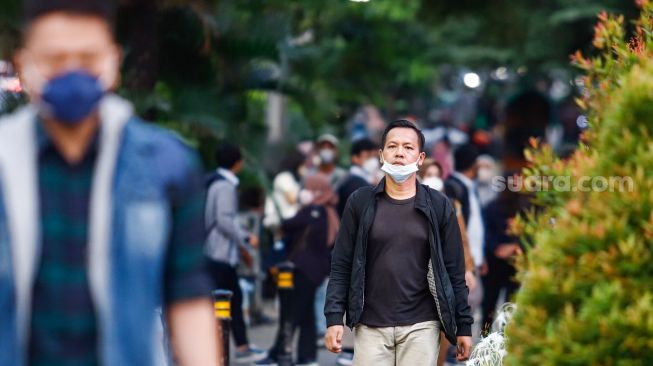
(399, 173)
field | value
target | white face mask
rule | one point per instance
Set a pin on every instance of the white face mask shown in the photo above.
(399, 173)
(371, 166)
(484, 175)
(327, 156)
(306, 197)
(434, 182)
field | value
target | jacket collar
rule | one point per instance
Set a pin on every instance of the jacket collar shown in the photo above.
(421, 198)
(229, 176)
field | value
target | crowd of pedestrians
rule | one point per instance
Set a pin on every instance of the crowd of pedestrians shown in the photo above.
(105, 220)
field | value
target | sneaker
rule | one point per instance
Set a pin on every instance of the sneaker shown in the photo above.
(345, 359)
(250, 355)
(266, 361)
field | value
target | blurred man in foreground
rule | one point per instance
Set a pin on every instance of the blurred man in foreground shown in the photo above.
(101, 215)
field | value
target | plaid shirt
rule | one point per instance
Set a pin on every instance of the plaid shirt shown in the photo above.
(64, 329)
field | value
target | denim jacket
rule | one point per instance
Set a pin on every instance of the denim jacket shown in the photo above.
(130, 222)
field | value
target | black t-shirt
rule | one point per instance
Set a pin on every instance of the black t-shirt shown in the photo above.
(398, 253)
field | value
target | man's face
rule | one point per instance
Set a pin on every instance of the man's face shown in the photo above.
(59, 42)
(402, 147)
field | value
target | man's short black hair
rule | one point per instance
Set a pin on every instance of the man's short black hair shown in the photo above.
(403, 123)
(465, 156)
(227, 155)
(102, 9)
(363, 145)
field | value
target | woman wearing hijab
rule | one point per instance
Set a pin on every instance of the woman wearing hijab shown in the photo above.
(310, 234)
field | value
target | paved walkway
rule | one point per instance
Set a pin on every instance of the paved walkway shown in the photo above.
(263, 337)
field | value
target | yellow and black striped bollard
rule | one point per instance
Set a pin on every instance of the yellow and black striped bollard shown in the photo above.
(285, 284)
(222, 309)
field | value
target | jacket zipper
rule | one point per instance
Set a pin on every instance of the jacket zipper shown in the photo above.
(364, 252)
(434, 288)
(431, 272)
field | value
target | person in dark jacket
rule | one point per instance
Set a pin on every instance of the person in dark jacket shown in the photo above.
(310, 235)
(363, 170)
(397, 269)
(501, 248)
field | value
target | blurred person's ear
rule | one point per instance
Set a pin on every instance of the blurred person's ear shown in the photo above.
(114, 77)
(238, 166)
(18, 61)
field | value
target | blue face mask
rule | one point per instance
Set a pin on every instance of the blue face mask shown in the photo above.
(72, 96)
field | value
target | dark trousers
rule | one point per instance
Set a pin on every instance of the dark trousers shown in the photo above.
(303, 300)
(225, 277)
(500, 276)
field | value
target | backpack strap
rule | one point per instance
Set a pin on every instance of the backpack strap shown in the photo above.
(209, 179)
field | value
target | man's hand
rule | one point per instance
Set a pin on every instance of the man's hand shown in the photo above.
(194, 333)
(333, 338)
(507, 250)
(246, 257)
(470, 280)
(464, 348)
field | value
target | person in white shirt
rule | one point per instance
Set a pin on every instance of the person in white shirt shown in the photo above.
(283, 202)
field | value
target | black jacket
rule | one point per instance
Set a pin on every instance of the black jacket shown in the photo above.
(346, 289)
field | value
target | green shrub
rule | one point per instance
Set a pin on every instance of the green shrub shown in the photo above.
(587, 277)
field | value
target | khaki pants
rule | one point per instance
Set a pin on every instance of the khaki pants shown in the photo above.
(411, 345)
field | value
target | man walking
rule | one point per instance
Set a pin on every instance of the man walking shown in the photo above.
(363, 170)
(100, 213)
(227, 240)
(397, 269)
(461, 186)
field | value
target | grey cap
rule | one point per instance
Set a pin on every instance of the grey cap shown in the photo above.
(327, 137)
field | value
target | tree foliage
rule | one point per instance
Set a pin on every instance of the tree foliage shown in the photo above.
(586, 296)
(203, 66)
